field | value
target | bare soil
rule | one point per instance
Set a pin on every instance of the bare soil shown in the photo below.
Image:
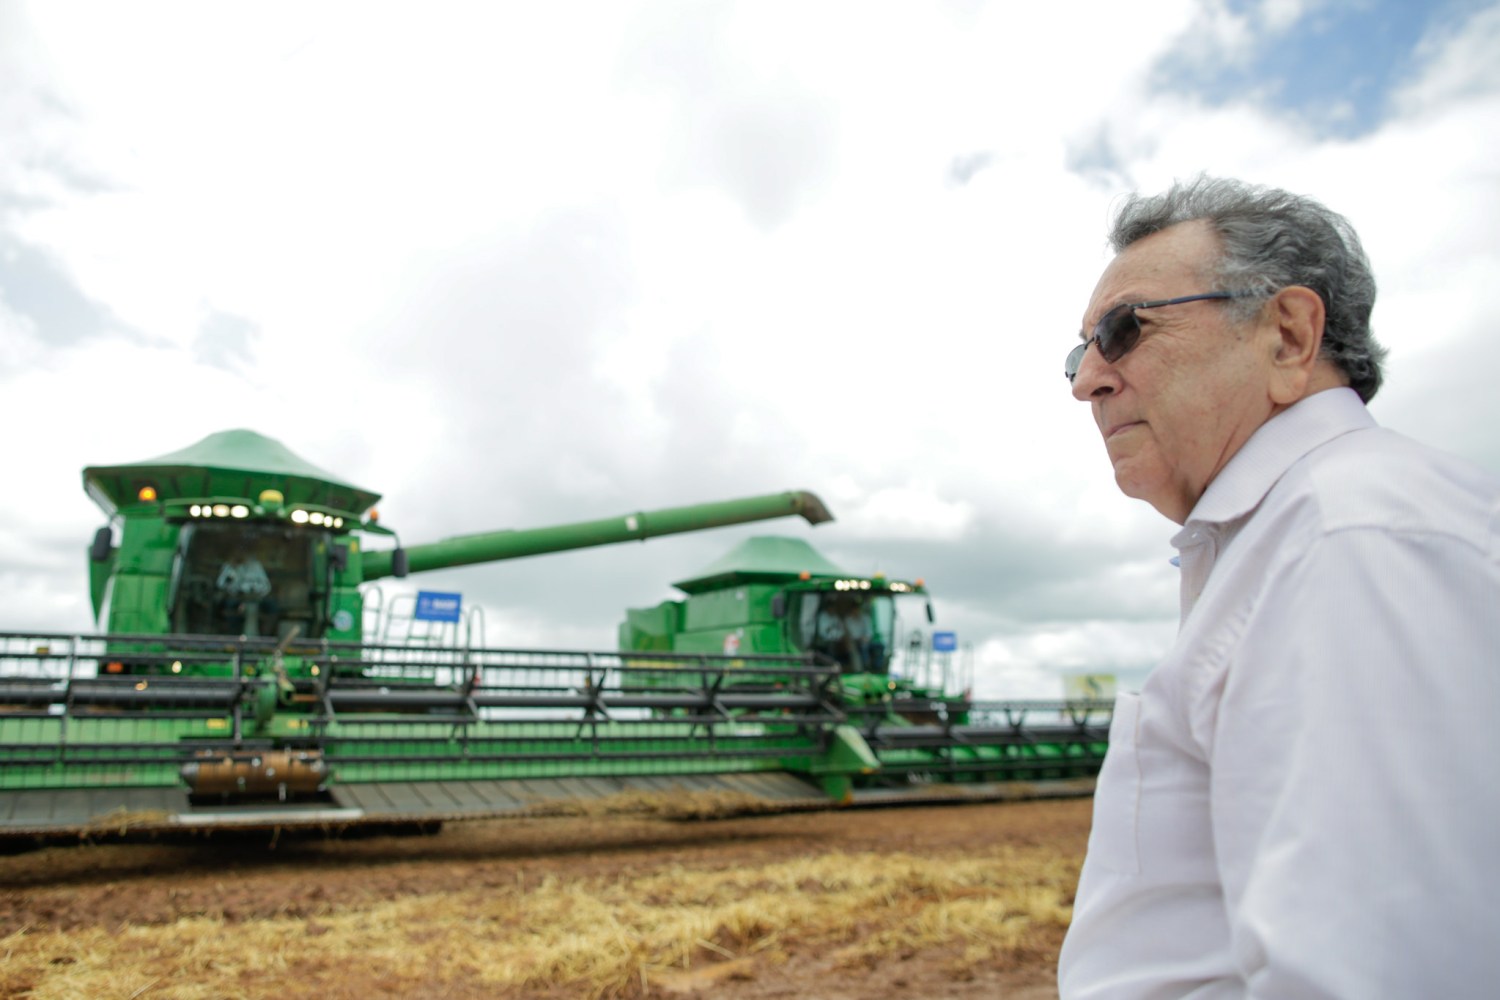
(243, 880)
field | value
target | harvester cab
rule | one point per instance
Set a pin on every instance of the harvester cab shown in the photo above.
(780, 596)
(232, 536)
(855, 622)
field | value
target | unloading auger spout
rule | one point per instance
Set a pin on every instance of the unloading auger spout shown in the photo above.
(498, 545)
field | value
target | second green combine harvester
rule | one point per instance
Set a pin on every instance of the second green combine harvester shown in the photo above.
(236, 684)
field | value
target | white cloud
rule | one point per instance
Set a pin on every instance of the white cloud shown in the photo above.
(902, 512)
(1458, 64)
(20, 348)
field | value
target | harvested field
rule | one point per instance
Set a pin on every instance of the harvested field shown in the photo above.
(961, 901)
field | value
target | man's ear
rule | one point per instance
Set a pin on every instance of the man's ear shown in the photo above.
(1295, 315)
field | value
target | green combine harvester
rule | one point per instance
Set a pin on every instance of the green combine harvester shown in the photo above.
(242, 681)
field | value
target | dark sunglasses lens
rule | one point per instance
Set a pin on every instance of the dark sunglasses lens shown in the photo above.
(1075, 358)
(1117, 332)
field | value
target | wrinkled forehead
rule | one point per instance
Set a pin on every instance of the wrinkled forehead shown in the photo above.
(1166, 264)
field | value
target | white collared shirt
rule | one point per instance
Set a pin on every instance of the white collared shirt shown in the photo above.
(1303, 799)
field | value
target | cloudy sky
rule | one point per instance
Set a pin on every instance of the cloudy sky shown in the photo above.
(520, 264)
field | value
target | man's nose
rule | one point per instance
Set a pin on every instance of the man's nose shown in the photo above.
(1096, 377)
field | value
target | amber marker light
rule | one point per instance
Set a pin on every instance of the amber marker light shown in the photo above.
(804, 575)
(146, 493)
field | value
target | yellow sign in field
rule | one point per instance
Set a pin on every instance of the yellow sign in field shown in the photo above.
(1077, 686)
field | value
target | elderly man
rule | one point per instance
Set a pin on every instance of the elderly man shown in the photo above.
(1301, 801)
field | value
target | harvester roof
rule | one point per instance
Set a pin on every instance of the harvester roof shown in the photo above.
(761, 560)
(236, 463)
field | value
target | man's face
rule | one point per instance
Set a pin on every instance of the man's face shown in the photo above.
(1175, 409)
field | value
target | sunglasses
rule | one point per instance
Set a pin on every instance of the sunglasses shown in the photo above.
(1118, 331)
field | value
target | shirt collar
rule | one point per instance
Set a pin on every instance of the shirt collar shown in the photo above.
(1273, 449)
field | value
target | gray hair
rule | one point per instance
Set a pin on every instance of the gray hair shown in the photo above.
(1272, 239)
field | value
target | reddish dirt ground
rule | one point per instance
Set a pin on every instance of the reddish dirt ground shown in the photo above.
(109, 885)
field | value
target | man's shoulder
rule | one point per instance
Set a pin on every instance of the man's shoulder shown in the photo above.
(1378, 478)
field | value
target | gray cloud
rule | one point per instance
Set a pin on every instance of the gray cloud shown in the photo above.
(961, 169)
(41, 155)
(36, 286)
(225, 341)
(1019, 572)
(41, 165)
(768, 151)
(743, 122)
(1094, 158)
(1467, 428)
(501, 346)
